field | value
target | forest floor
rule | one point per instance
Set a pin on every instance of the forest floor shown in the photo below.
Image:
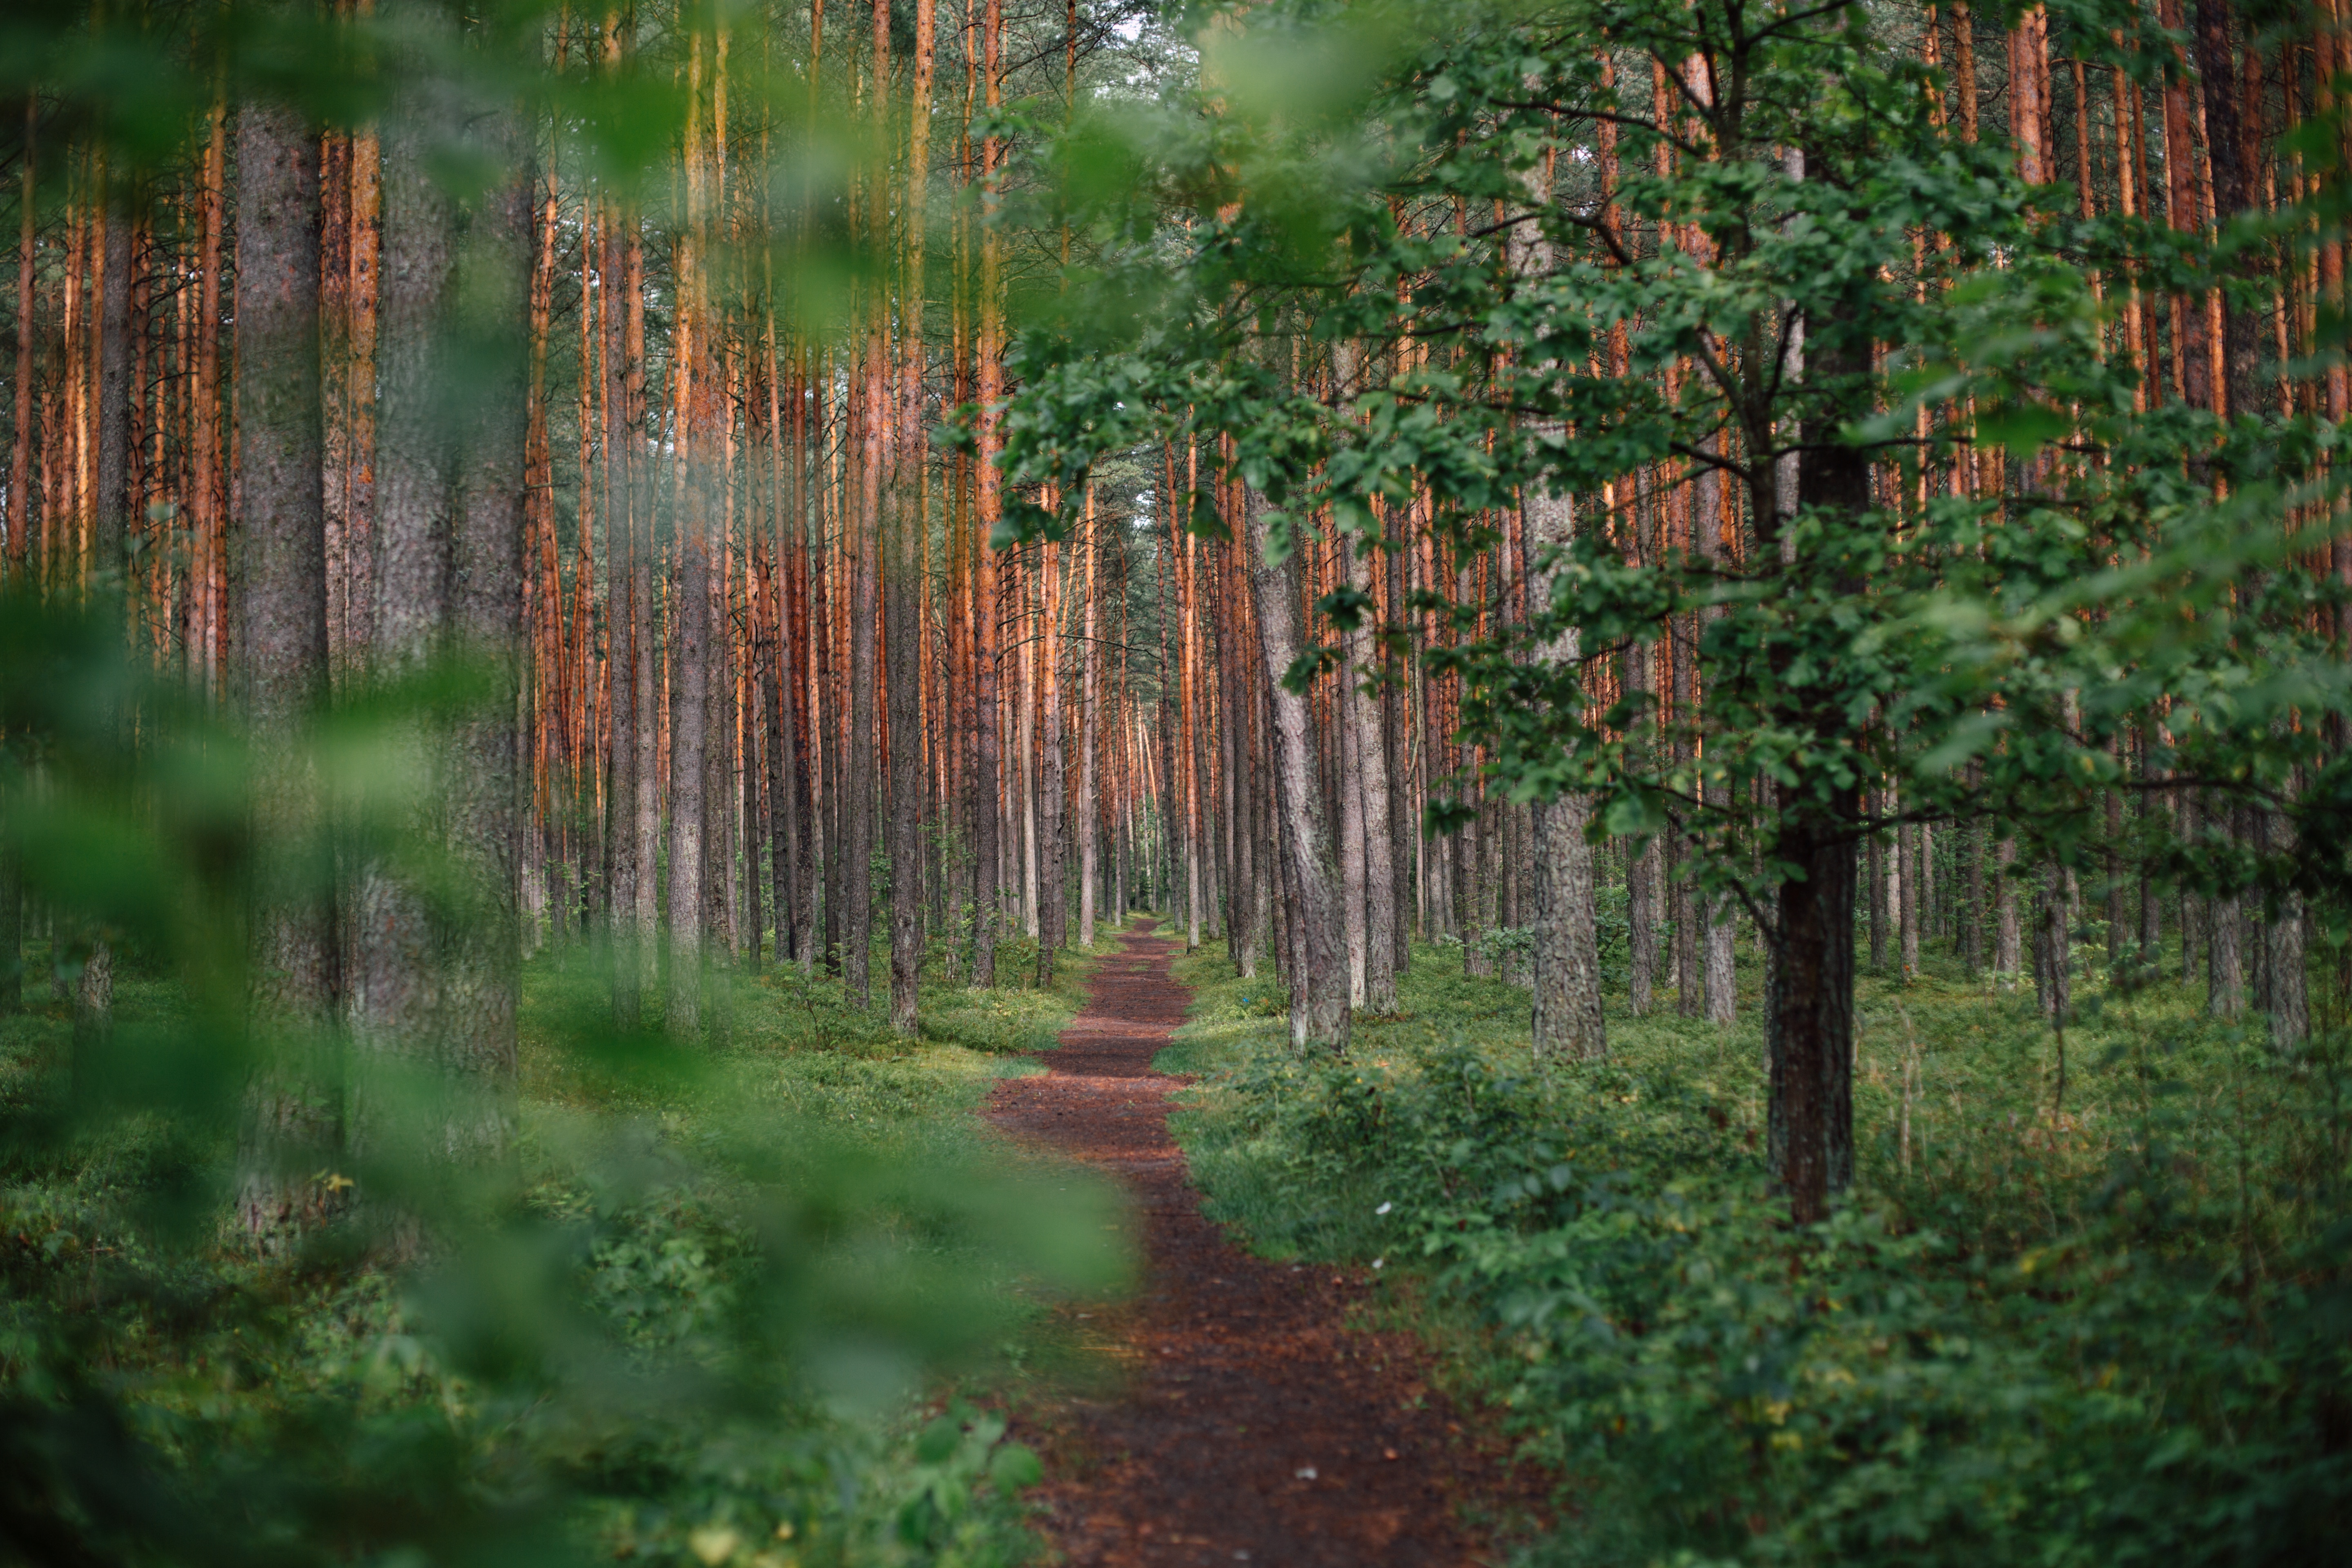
(1256, 1419)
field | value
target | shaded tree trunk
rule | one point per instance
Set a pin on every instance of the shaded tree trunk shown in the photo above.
(484, 777)
(293, 1114)
(393, 1000)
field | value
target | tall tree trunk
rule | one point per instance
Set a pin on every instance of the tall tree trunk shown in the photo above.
(2191, 358)
(108, 512)
(857, 797)
(395, 1001)
(1567, 979)
(1372, 779)
(987, 785)
(1089, 813)
(1053, 908)
(698, 395)
(902, 586)
(292, 1123)
(2230, 156)
(1642, 871)
(622, 869)
(24, 406)
(644, 701)
(1809, 1008)
(1319, 978)
(1565, 982)
(483, 772)
(911, 533)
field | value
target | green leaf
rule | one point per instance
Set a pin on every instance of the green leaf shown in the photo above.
(1014, 1467)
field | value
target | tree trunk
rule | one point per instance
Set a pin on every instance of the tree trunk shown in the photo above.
(1372, 779)
(1052, 908)
(698, 398)
(1907, 857)
(1566, 978)
(483, 792)
(623, 620)
(1318, 979)
(2006, 956)
(2230, 159)
(395, 1000)
(25, 408)
(292, 1117)
(1809, 1015)
(109, 532)
(1809, 1008)
(1089, 824)
(857, 797)
(902, 588)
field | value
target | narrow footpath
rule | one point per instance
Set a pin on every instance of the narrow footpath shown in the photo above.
(1251, 1425)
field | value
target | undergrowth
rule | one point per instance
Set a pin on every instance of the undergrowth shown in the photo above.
(750, 1300)
(2097, 1317)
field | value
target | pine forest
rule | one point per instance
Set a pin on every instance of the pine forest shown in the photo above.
(1554, 783)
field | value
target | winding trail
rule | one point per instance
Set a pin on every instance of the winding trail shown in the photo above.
(1251, 1425)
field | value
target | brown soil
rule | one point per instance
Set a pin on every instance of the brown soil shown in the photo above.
(1251, 1424)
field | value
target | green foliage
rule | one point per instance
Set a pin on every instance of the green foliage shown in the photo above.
(1987, 652)
(689, 1314)
(2110, 1331)
(714, 1290)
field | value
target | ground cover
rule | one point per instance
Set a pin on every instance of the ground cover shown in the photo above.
(752, 1301)
(2102, 1323)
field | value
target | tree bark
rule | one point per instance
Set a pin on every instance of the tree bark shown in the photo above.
(622, 869)
(902, 588)
(1809, 1015)
(2229, 157)
(696, 393)
(1809, 1009)
(1567, 979)
(1089, 825)
(292, 1115)
(484, 778)
(1372, 779)
(395, 1000)
(857, 798)
(25, 408)
(1319, 980)
(1052, 903)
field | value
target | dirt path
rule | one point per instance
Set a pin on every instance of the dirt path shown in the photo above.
(1252, 1426)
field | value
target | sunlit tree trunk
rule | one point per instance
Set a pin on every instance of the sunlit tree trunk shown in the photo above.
(1051, 829)
(987, 783)
(1089, 824)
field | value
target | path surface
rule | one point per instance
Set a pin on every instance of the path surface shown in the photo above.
(1252, 1426)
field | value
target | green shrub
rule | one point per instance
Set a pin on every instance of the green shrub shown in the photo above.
(2117, 1330)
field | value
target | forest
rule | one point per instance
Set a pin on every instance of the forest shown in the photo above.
(1321, 781)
